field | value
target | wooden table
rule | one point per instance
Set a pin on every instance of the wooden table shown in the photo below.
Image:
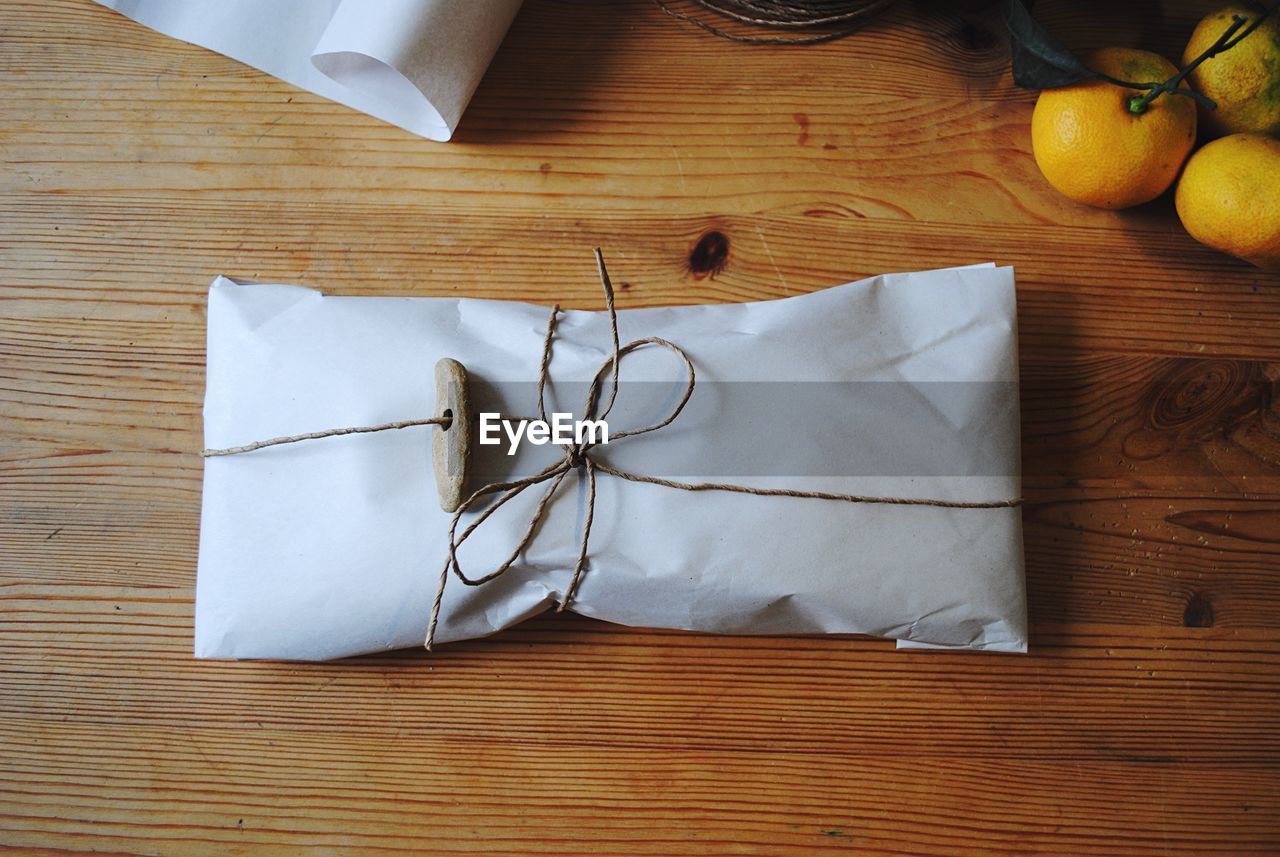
(1144, 720)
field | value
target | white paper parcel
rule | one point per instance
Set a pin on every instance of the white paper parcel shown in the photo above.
(413, 63)
(333, 547)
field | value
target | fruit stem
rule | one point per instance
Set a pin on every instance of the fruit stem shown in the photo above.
(1233, 36)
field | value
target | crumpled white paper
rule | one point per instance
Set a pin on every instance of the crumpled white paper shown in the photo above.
(413, 63)
(333, 547)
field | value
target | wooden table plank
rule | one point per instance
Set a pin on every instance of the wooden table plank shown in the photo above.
(137, 168)
(355, 793)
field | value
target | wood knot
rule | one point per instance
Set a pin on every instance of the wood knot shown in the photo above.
(1195, 401)
(1195, 390)
(709, 255)
(1199, 611)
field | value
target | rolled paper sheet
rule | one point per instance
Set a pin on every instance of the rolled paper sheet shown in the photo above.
(413, 63)
(901, 385)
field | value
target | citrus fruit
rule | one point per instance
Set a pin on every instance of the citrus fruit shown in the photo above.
(1244, 79)
(1092, 148)
(1229, 197)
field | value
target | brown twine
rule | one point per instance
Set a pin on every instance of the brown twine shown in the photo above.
(576, 455)
(313, 435)
(836, 18)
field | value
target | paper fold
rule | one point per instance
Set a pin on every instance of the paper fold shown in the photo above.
(412, 63)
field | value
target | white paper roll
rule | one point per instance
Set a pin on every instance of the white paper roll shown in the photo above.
(413, 63)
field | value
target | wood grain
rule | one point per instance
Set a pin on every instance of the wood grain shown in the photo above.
(137, 168)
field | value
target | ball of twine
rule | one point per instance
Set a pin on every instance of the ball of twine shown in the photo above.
(815, 20)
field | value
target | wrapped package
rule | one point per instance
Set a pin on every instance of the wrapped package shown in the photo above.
(901, 386)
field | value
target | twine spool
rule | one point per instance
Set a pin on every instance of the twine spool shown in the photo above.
(814, 20)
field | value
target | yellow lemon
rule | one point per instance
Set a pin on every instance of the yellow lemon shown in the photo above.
(1229, 198)
(1091, 147)
(1244, 79)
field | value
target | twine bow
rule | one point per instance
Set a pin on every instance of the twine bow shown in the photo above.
(576, 456)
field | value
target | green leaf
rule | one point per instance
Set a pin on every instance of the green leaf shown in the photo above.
(1039, 60)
